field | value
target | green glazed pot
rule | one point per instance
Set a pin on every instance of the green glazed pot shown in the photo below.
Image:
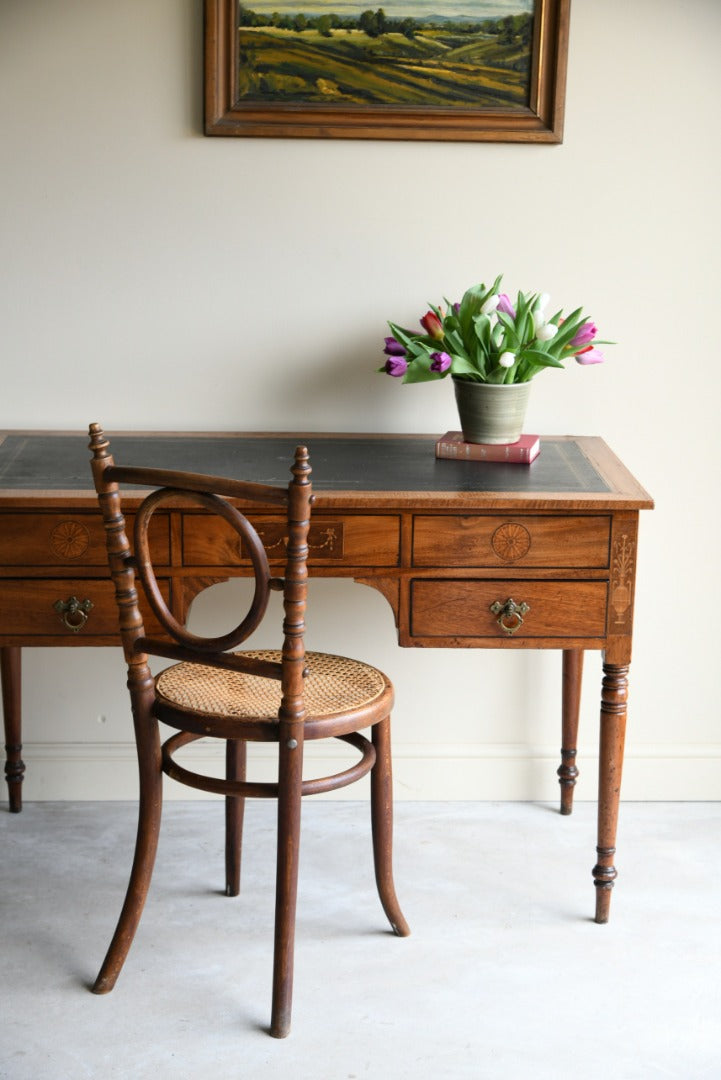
(491, 412)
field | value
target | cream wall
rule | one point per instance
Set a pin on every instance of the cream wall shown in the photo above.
(154, 278)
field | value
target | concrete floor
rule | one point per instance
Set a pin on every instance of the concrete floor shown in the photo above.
(505, 974)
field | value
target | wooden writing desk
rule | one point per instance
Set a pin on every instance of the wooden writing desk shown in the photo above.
(467, 554)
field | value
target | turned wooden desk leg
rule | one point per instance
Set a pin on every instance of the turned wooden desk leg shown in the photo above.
(614, 695)
(10, 675)
(567, 771)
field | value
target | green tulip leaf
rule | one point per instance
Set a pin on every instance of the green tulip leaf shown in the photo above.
(482, 326)
(462, 366)
(540, 359)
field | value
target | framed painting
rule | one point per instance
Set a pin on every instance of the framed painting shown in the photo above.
(478, 70)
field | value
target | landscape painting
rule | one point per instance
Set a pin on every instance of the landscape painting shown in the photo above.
(459, 53)
(408, 69)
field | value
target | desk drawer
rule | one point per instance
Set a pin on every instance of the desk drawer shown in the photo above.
(525, 540)
(69, 539)
(365, 540)
(27, 608)
(462, 608)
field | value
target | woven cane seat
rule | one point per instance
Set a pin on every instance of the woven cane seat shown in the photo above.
(334, 684)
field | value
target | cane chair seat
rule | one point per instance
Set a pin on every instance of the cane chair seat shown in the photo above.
(334, 685)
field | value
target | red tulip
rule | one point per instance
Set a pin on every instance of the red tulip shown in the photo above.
(432, 325)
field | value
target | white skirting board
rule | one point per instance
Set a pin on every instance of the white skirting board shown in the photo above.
(422, 771)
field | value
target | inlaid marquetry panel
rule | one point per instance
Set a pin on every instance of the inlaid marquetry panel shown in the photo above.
(623, 573)
(67, 539)
(362, 540)
(523, 540)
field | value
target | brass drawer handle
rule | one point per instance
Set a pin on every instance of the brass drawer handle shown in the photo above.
(510, 615)
(74, 612)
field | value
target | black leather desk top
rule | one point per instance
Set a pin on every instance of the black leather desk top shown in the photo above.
(352, 463)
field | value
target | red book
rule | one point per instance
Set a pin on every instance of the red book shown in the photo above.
(451, 445)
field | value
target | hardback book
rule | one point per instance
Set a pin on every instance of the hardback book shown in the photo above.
(451, 445)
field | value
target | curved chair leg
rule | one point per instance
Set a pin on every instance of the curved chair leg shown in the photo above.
(235, 758)
(382, 826)
(146, 845)
(290, 776)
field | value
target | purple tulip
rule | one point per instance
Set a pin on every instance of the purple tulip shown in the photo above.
(504, 304)
(590, 355)
(440, 362)
(584, 335)
(396, 366)
(394, 348)
(432, 325)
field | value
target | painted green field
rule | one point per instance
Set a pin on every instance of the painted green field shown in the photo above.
(437, 67)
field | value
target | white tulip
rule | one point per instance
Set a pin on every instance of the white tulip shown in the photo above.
(546, 332)
(507, 359)
(490, 304)
(539, 310)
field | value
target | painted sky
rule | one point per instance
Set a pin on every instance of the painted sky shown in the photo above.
(397, 9)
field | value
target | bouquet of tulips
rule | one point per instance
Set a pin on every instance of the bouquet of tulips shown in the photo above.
(487, 338)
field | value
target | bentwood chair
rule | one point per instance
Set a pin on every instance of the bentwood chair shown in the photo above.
(285, 696)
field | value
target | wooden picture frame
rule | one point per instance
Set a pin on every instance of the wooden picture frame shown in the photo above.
(228, 111)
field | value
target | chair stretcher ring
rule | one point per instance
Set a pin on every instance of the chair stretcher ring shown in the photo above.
(260, 789)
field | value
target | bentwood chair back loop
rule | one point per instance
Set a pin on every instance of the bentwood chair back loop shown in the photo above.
(213, 690)
(252, 544)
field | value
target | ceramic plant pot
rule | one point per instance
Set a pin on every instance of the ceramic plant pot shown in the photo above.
(491, 412)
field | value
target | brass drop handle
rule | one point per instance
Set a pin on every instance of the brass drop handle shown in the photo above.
(74, 612)
(510, 615)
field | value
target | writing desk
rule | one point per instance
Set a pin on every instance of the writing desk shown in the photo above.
(468, 555)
